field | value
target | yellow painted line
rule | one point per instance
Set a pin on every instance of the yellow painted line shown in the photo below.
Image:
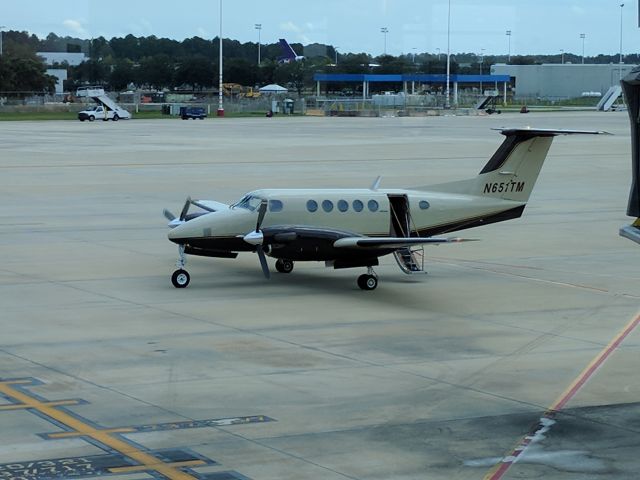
(142, 468)
(22, 406)
(505, 463)
(147, 461)
(59, 435)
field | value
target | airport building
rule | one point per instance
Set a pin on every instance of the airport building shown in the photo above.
(556, 81)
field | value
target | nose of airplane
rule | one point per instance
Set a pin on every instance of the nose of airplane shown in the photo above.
(177, 234)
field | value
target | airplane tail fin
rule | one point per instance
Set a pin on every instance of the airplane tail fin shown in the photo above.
(288, 53)
(512, 171)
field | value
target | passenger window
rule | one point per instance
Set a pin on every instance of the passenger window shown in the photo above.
(358, 205)
(423, 204)
(327, 205)
(373, 205)
(343, 206)
(312, 205)
(275, 206)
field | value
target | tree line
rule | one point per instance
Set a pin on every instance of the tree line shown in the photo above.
(162, 63)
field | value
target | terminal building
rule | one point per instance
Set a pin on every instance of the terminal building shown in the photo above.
(556, 81)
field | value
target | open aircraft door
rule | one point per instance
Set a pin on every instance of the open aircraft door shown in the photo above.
(631, 89)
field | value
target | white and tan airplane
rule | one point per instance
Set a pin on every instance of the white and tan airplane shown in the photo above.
(348, 228)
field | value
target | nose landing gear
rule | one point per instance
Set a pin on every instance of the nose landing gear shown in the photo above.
(180, 278)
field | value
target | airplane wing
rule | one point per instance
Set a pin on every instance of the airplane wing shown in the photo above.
(385, 243)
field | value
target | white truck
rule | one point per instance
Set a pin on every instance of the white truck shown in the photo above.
(100, 113)
(105, 108)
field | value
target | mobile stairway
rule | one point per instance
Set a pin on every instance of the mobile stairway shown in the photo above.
(97, 94)
(609, 98)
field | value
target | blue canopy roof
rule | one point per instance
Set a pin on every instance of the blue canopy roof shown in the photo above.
(407, 77)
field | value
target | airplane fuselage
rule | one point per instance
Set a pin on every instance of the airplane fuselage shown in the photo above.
(339, 213)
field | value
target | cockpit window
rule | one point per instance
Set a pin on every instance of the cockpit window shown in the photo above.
(249, 202)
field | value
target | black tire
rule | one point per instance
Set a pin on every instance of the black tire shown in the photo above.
(115, 117)
(284, 266)
(91, 118)
(367, 282)
(180, 278)
(82, 119)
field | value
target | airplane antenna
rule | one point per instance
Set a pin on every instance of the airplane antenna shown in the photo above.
(376, 183)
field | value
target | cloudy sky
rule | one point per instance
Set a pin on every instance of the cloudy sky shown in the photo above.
(537, 26)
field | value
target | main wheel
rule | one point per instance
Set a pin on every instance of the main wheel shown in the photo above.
(91, 118)
(116, 117)
(284, 266)
(367, 282)
(180, 278)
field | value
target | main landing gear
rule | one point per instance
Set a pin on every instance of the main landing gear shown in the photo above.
(180, 278)
(284, 266)
(368, 281)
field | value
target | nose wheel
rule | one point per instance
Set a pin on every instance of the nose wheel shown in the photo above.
(180, 278)
(368, 281)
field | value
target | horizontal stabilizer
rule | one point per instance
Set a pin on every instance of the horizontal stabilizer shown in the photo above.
(547, 132)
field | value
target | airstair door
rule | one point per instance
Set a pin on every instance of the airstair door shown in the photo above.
(400, 221)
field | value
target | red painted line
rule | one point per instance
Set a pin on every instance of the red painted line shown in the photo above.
(498, 471)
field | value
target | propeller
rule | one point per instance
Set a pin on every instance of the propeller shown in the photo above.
(175, 221)
(257, 238)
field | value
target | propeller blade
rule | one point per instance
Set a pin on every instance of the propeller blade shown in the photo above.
(185, 209)
(168, 215)
(202, 206)
(261, 212)
(263, 261)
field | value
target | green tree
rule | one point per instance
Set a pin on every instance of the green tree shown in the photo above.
(196, 71)
(156, 72)
(24, 74)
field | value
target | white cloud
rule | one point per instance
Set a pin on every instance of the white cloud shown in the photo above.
(299, 36)
(75, 26)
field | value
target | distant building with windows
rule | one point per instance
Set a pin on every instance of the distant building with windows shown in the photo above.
(557, 81)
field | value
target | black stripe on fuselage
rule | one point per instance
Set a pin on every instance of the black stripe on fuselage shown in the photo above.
(472, 222)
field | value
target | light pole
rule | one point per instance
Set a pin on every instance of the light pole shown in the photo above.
(509, 50)
(582, 36)
(562, 56)
(220, 107)
(447, 102)
(259, 28)
(1, 27)
(481, 62)
(335, 50)
(621, 7)
(438, 50)
(385, 30)
(414, 54)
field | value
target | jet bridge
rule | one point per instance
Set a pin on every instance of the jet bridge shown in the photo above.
(631, 87)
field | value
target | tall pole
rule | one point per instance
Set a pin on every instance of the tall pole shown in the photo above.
(509, 51)
(562, 56)
(259, 28)
(447, 102)
(621, 7)
(582, 35)
(220, 107)
(481, 62)
(385, 30)
(335, 50)
(438, 50)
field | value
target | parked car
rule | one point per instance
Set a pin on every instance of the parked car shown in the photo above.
(193, 113)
